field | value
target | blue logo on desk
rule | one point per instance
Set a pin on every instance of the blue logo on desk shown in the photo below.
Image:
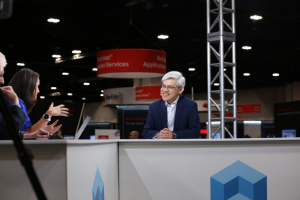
(98, 187)
(238, 182)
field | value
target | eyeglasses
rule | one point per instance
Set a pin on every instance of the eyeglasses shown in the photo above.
(169, 87)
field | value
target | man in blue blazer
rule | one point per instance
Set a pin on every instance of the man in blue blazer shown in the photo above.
(174, 116)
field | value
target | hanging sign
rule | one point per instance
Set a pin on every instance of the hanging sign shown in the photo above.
(248, 108)
(147, 92)
(131, 63)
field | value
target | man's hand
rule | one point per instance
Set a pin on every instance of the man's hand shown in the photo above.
(41, 133)
(165, 134)
(10, 95)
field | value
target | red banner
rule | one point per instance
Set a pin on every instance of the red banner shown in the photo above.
(147, 92)
(131, 63)
(248, 108)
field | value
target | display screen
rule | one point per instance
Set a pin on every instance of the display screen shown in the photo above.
(288, 133)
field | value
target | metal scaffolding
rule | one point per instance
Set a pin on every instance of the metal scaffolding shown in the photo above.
(221, 43)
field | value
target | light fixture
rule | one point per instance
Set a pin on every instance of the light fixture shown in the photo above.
(53, 88)
(246, 74)
(225, 69)
(52, 20)
(101, 95)
(102, 91)
(56, 56)
(42, 97)
(252, 122)
(65, 73)
(83, 98)
(163, 37)
(20, 64)
(255, 17)
(246, 47)
(76, 51)
(86, 83)
(216, 84)
(95, 69)
(69, 94)
(192, 69)
(275, 74)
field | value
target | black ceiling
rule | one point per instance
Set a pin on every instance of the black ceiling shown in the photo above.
(92, 26)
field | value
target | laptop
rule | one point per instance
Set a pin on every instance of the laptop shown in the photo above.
(82, 127)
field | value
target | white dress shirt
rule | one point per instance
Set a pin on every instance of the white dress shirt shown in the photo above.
(171, 111)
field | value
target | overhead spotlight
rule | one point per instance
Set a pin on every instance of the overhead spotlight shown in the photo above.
(42, 97)
(69, 94)
(77, 56)
(192, 69)
(256, 17)
(21, 64)
(86, 83)
(275, 74)
(65, 73)
(216, 84)
(246, 47)
(83, 98)
(246, 74)
(95, 69)
(53, 88)
(101, 95)
(76, 51)
(163, 37)
(56, 56)
(225, 69)
(102, 91)
(52, 20)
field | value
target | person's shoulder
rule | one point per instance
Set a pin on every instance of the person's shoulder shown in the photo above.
(187, 100)
(156, 103)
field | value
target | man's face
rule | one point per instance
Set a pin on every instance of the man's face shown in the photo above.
(1, 75)
(169, 91)
(133, 135)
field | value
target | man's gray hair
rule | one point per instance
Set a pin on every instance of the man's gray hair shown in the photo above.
(175, 75)
(3, 62)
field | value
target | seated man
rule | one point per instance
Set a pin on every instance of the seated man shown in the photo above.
(174, 116)
(134, 135)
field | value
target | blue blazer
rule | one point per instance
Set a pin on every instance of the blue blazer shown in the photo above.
(186, 124)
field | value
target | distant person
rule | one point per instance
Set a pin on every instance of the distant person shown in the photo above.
(134, 135)
(26, 85)
(174, 116)
(18, 116)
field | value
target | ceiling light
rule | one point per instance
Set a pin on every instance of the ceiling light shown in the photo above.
(53, 88)
(69, 94)
(246, 47)
(86, 83)
(192, 69)
(101, 95)
(52, 20)
(95, 69)
(216, 84)
(20, 64)
(163, 37)
(83, 98)
(224, 69)
(246, 74)
(42, 97)
(275, 74)
(255, 17)
(56, 56)
(102, 91)
(65, 73)
(76, 51)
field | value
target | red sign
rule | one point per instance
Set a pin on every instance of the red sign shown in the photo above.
(248, 108)
(102, 137)
(131, 63)
(147, 92)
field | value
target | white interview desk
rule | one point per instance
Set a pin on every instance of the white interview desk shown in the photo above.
(148, 169)
(66, 169)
